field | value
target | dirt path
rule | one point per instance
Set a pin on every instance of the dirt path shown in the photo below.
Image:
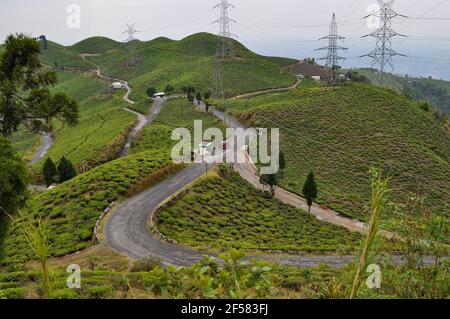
(267, 91)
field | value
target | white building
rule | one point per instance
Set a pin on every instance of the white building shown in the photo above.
(117, 85)
(160, 95)
(316, 77)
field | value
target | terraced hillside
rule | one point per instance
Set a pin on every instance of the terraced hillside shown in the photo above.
(186, 62)
(436, 92)
(73, 207)
(340, 132)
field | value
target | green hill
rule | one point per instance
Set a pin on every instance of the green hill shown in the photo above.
(340, 132)
(433, 91)
(95, 45)
(162, 61)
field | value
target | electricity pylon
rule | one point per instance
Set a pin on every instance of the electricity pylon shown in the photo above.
(224, 45)
(332, 57)
(382, 55)
(130, 41)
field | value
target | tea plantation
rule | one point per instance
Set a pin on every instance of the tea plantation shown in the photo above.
(339, 133)
(227, 212)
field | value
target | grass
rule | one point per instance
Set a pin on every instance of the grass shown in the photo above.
(340, 133)
(227, 212)
(73, 207)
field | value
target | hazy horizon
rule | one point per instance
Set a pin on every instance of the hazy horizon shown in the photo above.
(285, 28)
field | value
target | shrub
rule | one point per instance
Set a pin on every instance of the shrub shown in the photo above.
(13, 293)
(101, 292)
(65, 294)
(145, 264)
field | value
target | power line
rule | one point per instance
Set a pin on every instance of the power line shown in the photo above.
(332, 57)
(130, 43)
(224, 45)
(383, 53)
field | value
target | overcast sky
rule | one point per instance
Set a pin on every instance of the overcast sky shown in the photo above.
(272, 27)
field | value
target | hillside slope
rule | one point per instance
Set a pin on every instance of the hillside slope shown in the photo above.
(436, 92)
(162, 61)
(339, 133)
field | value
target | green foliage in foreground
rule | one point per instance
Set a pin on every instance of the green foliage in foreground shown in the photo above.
(340, 133)
(73, 207)
(228, 212)
(13, 180)
(232, 278)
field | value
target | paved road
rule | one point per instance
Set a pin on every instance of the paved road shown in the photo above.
(46, 143)
(143, 121)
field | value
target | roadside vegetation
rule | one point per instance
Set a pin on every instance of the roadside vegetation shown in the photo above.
(227, 212)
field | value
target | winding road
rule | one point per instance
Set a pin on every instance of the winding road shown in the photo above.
(126, 230)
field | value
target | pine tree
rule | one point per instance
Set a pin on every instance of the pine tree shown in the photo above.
(66, 170)
(71, 172)
(198, 97)
(310, 190)
(282, 161)
(50, 172)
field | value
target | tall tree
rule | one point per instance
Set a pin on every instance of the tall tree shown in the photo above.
(198, 97)
(66, 170)
(282, 164)
(50, 172)
(25, 96)
(169, 89)
(151, 91)
(282, 161)
(14, 179)
(271, 180)
(310, 190)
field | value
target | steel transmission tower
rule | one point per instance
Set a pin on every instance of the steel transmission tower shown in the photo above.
(224, 45)
(332, 57)
(383, 54)
(130, 41)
